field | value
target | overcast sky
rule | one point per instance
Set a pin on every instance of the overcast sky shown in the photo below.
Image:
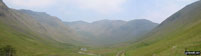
(93, 10)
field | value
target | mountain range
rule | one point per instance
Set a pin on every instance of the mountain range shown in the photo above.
(33, 33)
(107, 32)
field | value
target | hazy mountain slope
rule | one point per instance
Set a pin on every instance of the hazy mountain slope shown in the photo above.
(28, 36)
(105, 32)
(54, 27)
(133, 29)
(179, 32)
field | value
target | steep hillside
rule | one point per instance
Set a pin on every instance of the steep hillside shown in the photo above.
(54, 27)
(106, 32)
(179, 32)
(29, 37)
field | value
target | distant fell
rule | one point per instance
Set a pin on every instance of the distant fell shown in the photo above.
(107, 32)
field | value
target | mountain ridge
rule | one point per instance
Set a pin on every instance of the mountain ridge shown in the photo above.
(106, 31)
